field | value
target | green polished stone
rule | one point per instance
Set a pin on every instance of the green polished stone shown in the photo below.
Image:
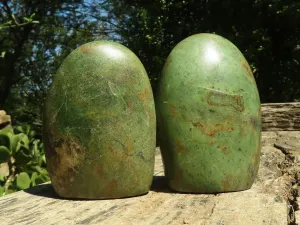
(99, 124)
(209, 117)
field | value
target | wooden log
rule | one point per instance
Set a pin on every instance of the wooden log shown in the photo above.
(281, 116)
(265, 203)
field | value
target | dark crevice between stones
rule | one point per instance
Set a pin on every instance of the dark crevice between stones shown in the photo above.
(290, 169)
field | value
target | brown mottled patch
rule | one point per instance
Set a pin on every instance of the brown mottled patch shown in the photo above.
(110, 148)
(179, 146)
(211, 129)
(144, 95)
(86, 49)
(65, 161)
(129, 146)
(172, 109)
(226, 182)
(123, 156)
(130, 105)
(178, 177)
(111, 188)
(230, 129)
(223, 148)
(217, 98)
(211, 142)
(247, 68)
(217, 40)
(98, 169)
(131, 81)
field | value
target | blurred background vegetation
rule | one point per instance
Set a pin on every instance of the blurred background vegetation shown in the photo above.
(36, 35)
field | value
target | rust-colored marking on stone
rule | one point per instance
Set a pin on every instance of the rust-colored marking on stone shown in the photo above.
(129, 146)
(172, 109)
(230, 129)
(217, 40)
(178, 176)
(247, 68)
(212, 129)
(226, 182)
(111, 188)
(223, 148)
(98, 169)
(63, 162)
(179, 146)
(130, 105)
(86, 49)
(131, 81)
(217, 98)
(144, 95)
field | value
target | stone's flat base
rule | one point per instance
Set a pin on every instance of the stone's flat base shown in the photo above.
(269, 201)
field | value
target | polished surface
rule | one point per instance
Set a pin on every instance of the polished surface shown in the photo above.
(209, 117)
(99, 124)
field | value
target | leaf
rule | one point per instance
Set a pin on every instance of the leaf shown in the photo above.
(41, 179)
(5, 138)
(9, 191)
(34, 175)
(1, 191)
(27, 19)
(23, 156)
(18, 141)
(2, 178)
(4, 154)
(32, 15)
(32, 133)
(23, 129)
(23, 181)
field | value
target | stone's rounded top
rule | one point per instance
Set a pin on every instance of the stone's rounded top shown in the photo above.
(105, 50)
(211, 49)
(108, 48)
(101, 58)
(209, 61)
(210, 42)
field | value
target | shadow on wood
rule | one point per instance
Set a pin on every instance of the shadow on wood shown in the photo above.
(159, 184)
(43, 190)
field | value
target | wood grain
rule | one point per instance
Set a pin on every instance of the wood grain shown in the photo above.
(265, 203)
(281, 116)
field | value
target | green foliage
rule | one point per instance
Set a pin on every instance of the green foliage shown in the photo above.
(14, 23)
(4, 154)
(267, 33)
(23, 155)
(31, 52)
(23, 181)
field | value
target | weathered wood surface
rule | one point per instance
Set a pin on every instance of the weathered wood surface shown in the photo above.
(281, 116)
(271, 200)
